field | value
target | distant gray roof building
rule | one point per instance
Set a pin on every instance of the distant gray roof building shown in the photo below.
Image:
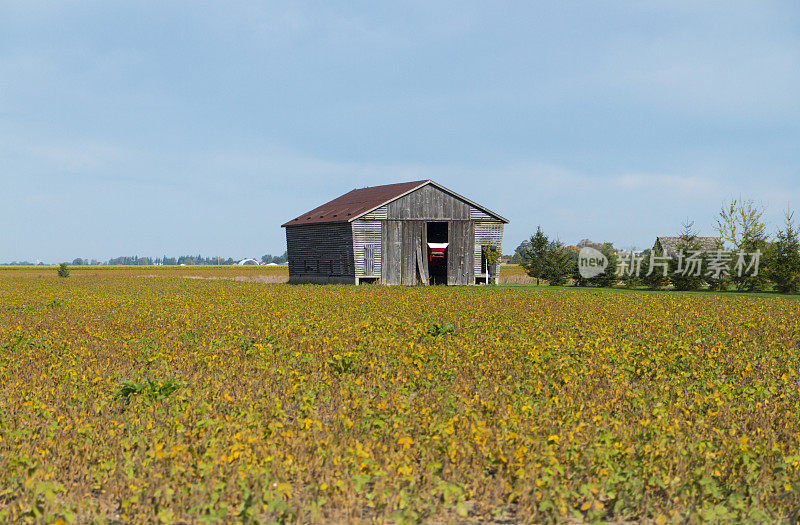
(669, 245)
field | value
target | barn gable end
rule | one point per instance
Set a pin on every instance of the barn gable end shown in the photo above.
(431, 201)
(428, 203)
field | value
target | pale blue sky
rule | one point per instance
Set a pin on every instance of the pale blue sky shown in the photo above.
(156, 128)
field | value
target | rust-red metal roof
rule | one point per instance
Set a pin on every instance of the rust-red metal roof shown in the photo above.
(354, 203)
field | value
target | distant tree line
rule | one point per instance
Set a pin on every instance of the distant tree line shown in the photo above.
(277, 259)
(24, 263)
(188, 260)
(85, 262)
(772, 262)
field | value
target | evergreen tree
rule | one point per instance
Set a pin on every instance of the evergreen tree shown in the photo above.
(654, 274)
(749, 280)
(577, 278)
(609, 277)
(558, 264)
(783, 259)
(629, 268)
(537, 255)
(741, 225)
(683, 272)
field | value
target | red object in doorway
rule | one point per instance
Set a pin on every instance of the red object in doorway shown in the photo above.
(437, 251)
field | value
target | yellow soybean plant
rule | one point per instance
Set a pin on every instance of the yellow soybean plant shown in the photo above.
(128, 398)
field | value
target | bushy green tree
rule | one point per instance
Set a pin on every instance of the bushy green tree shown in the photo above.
(277, 259)
(783, 258)
(608, 278)
(521, 253)
(63, 270)
(751, 280)
(741, 225)
(537, 255)
(739, 220)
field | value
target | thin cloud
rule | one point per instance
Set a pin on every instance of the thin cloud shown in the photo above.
(682, 185)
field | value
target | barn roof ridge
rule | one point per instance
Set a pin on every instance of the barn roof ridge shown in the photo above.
(360, 201)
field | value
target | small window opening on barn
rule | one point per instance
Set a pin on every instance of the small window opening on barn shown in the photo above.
(437, 237)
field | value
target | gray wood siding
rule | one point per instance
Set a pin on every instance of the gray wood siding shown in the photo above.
(428, 202)
(488, 232)
(366, 235)
(392, 251)
(460, 270)
(321, 252)
(377, 213)
(479, 215)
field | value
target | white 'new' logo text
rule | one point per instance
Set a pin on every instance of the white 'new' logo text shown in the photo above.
(591, 262)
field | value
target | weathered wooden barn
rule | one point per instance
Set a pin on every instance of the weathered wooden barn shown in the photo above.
(408, 233)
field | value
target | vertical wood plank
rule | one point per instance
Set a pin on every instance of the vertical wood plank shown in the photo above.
(385, 252)
(460, 267)
(468, 246)
(407, 261)
(392, 252)
(424, 243)
(452, 253)
(397, 248)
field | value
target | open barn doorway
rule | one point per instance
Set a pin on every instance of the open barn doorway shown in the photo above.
(437, 239)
